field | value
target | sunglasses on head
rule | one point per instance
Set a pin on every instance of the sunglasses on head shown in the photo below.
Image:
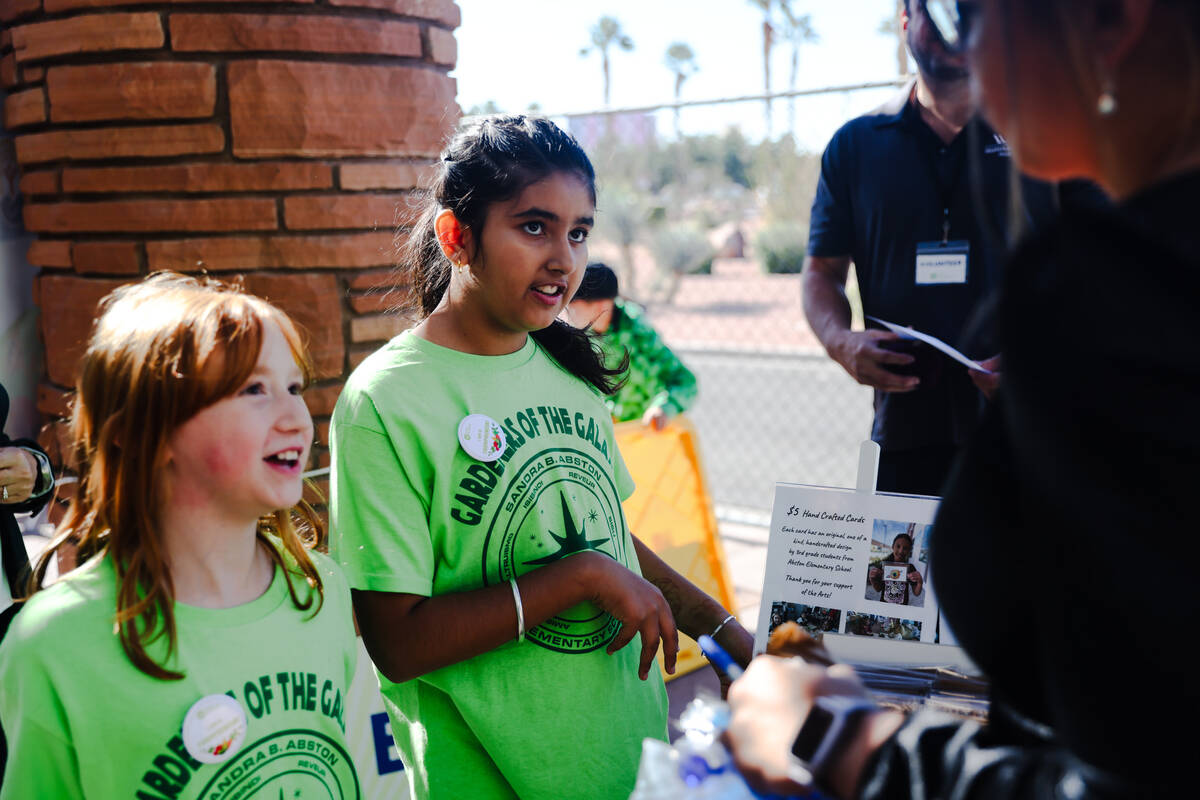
(952, 20)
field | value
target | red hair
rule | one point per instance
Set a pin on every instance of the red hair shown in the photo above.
(161, 351)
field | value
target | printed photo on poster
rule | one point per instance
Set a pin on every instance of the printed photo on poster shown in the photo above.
(813, 619)
(837, 552)
(897, 568)
(882, 627)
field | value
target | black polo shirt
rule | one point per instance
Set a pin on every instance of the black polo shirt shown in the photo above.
(885, 179)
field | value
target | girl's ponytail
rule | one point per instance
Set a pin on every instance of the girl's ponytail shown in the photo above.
(424, 269)
(578, 353)
(491, 159)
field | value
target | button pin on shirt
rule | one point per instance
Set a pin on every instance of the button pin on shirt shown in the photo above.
(214, 728)
(481, 437)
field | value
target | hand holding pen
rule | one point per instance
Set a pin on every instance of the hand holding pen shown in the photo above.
(775, 701)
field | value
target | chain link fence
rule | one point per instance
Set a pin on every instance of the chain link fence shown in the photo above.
(708, 232)
(764, 418)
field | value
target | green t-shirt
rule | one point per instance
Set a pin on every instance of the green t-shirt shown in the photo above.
(412, 512)
(82, 721)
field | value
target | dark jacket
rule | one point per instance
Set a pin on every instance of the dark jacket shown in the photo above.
(12, 548)
(1078, 488)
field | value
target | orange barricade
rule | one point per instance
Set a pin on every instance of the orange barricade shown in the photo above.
(671, 512)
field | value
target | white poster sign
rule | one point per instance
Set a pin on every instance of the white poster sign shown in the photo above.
(853, 566)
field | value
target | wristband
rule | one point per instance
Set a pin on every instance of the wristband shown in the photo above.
(520, 610)
(833, 721)
(43, 480)
(717, 629)
(45, 475)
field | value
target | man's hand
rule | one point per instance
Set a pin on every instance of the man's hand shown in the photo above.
(18, 475)
(823, 295)
(988, 384)
(860, 354)
(769, 704)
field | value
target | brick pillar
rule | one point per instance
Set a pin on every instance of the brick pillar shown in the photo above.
(280, 145)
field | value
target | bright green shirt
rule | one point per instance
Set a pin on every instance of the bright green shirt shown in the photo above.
(82, 721)
(412, 512)
(656, 378)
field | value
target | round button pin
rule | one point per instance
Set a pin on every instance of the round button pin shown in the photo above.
(482, 437)
(214, 728)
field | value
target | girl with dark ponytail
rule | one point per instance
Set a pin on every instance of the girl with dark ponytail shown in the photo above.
(476, 498)
(491, 160)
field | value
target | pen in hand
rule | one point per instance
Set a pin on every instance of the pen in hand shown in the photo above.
(717, 655)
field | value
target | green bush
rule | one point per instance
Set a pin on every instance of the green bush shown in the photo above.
(677, 250)
(781, 246)
(680, 249)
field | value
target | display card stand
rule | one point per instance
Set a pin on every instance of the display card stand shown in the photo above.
(824, 543)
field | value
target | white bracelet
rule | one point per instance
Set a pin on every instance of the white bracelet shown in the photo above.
(717, 629)
(520, 610)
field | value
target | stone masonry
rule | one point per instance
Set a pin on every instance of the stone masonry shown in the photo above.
(278, 141)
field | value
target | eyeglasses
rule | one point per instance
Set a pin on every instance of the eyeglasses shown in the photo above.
(953, 21)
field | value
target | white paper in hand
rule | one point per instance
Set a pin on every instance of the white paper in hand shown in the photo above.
(933, 342)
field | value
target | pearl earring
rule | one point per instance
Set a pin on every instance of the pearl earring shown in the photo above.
(1106, 103)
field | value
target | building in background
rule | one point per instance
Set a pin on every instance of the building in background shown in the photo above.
(632, 128)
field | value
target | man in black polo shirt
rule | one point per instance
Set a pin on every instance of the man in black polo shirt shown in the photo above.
(896, 198)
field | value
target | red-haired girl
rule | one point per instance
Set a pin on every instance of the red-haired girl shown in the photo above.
(201, 650)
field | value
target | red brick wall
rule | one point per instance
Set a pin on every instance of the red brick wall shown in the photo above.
(278, 141)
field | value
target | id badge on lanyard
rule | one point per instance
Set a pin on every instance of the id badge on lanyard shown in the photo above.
(942, 262)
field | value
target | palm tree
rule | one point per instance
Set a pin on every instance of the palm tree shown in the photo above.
(890, 26)
(682, 62)
(799, 31)
(768, 32)
(604, 34)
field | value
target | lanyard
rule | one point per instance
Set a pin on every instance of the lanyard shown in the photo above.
(945, 191)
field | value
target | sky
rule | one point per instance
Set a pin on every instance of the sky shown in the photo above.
(518, 52)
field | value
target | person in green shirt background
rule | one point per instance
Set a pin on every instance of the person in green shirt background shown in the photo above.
(658, 385)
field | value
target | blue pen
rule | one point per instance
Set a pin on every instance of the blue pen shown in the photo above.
(717, 655)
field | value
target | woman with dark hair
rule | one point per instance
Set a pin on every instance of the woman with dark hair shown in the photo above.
(1089, 454)
(476, 498)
